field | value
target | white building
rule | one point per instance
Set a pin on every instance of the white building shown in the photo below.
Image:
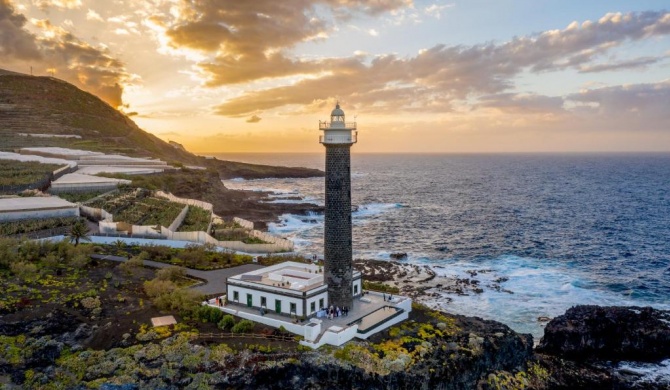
(289, 288)
(16, 209)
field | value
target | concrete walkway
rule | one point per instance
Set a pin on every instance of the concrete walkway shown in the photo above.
(215, 280)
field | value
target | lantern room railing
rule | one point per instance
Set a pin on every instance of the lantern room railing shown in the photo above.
(337, 125)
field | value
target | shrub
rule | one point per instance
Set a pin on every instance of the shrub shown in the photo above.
(243, 326)
(227, 322)
(171, 273)
(23, 270)
(209, 314)
(90, 303)
(156, 287)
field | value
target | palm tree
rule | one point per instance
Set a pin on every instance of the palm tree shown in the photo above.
(79, 231)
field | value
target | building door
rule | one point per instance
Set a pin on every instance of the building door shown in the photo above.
(278, 306)
(249, 301)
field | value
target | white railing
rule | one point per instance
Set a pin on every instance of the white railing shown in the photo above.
(337, 125)
(339, 139)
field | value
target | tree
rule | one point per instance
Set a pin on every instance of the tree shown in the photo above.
(79, 231)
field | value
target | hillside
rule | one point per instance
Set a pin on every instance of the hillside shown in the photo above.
(46, 105)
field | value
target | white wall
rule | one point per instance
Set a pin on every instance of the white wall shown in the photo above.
(39, 214)
(192, 202)
(180, 218)
(96, 214)
(82, 187)
(356, 292)
(270, 297)
(244, 223)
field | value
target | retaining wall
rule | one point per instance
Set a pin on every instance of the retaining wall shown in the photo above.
(191, 202)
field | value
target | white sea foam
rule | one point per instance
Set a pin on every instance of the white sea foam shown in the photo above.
(649, 373)
(371, 209)
(534, 288)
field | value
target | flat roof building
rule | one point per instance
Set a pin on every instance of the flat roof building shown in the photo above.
(15, 209)
(289, 288)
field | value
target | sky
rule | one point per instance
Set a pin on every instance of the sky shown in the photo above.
(417, 76)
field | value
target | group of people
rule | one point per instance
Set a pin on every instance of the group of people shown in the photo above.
(336, 311)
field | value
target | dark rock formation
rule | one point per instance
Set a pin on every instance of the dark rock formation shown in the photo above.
(610, 333)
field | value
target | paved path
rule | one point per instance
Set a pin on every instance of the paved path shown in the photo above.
(215, 280)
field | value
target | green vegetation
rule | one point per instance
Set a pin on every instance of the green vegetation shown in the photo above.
(244, 326)
(17, 173)
(138, 207)
(150, 211)
(33, 272)
(274, 259)
(379, 286)
(79, 231)
(203, 257)
(78, 197)
(167, 296)
(253, 240)
(405, 344)
(227, 322)
(197, 220)
(184, 180)
(33, 225)
(535, 377)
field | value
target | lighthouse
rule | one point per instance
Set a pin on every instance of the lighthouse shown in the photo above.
(338, 137)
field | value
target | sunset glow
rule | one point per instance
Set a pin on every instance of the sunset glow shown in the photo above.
(418, 76)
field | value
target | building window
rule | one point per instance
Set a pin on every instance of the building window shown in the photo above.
(236, 296)
(321, 305)
(355, 289)
(312, 307)
(293, 308)
(264, 302)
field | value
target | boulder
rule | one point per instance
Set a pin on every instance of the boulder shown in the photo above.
(398, 256)
(609, 333)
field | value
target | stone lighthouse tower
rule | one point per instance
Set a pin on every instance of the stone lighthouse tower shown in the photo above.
(338, 136)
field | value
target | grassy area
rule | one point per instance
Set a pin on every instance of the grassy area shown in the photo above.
(381, 287)
(137, 207)
(116, 200)
(149, 211)
(78, 197)
(197, 219)
(16, 173)
(253, 240)
(33, 225)
(202, 257)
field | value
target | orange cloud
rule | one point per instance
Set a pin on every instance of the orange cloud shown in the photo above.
(90, 68)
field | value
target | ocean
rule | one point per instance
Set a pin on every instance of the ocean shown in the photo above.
(562, 229)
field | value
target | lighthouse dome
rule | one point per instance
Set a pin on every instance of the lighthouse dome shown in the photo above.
(337, 111)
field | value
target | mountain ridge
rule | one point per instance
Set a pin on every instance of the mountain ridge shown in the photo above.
(47, 105)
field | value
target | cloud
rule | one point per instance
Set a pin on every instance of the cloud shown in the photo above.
(641, 62)
(66, 4)
(373, 32)
(15, 40)
(437, 77)
(92, 15)
(247, 40)
(523, 104)
(90, 68)
(254, 119)
(435, 10)
(649, 101)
